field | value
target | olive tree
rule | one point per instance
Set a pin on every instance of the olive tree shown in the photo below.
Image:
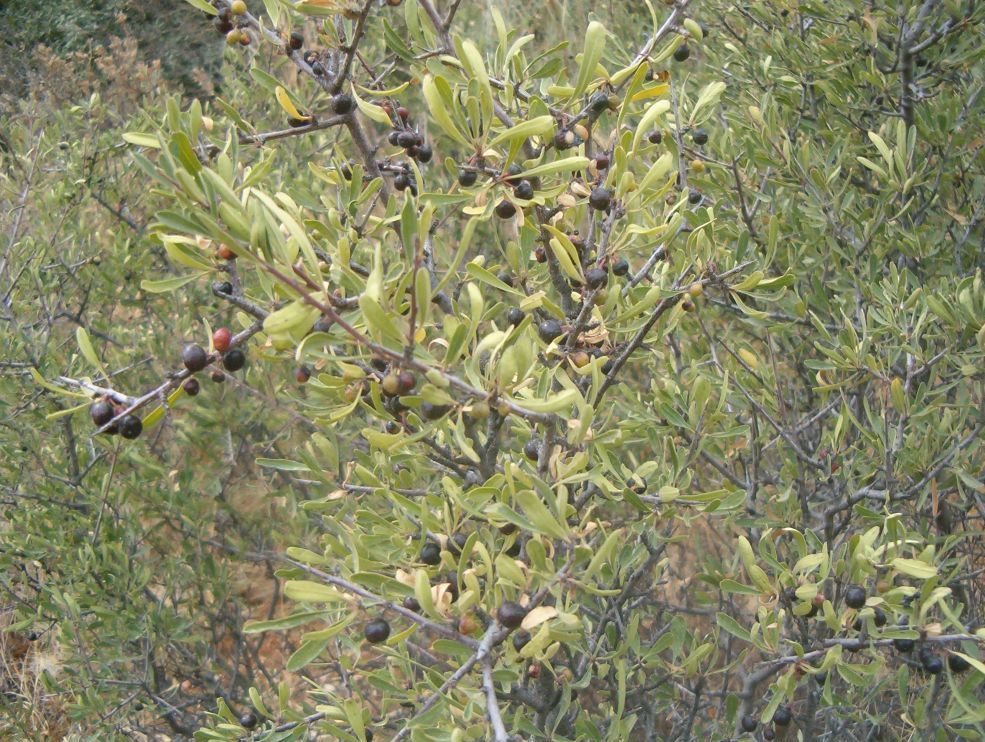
(640, 378)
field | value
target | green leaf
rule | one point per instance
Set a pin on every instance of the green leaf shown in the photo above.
(914, 568)
(165, 285)
(306, 653)
(594, 46)
(203, 6)
(88, 352)
(729, 624)
(282, 465)
(539, 515)
(541, 126)
(309, 591)
(287, 622)
(145, 140)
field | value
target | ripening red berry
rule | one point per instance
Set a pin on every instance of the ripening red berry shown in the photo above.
(221, 339)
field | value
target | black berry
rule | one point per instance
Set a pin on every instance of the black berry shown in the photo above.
(467, 178)
(234, 360)
(505, 209)
(595, 278)
(225, 288)
(377, 631)
(515, 316)
(130, 427)
(694, 197)
(521, 639)
(511, 614)
(549, 329)
(957, 663)
(855, 596)
(431, 411)
(682, 53)
(699, 136)
(749, 723)
(248, 720)
(195, 358)
(782, 716)
(620, 267)
(524, 190)
(424, 153)
(407, 139)
(411, 604)
(655, 137)
(101, 412)
(531, 449)
(191, 387)
(296, 40)
(343, 103)
(431, 554)
(601, 199)
(903, 645)
(932, 664)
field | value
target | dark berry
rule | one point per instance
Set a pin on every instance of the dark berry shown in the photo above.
(234, 360)
(393, 138)
(296, 40)
(225, 288)
(599, 102)
(511, 614)
(655, 137)
(401, 182)
(195, 358)
(392, 427)
(524, 190)
(515, 316)
(782, 716)
(101, 412)
(403, 113)
(932, 664)
(699, 136)
(248, 720)
(406, 382)
(302, 374)
(511, 172)
(377, 631)
(424, 153)
(694, 197)
(595, 278)
(33, 636)
(297, 123)
(407, 139)
(620, 267)
(821, 678)
(749, 723)
(467, 178)
(540, 254)
(343, 103)
(430, 554)
(130, 427)
(505, 209)
(769, 734)
(191, 387)
(549, 329)
(411, 604)
(521, 639)
(601, 163)
(682, 53)
(531, 449)
(601, 199)
(457, 543)
(957, 663)
(903, 645)
(431, 411)
(879, 617)
(218, 377)
(855, 596)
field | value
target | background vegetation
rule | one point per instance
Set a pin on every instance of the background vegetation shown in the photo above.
(811, 422)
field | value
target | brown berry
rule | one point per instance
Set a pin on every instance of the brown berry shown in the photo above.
(302, 374)
(221, 339)
(191, 387)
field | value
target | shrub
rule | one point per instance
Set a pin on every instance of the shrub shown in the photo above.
(721, 487)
